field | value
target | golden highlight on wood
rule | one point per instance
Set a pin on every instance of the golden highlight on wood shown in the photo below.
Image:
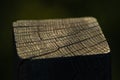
(53, 38)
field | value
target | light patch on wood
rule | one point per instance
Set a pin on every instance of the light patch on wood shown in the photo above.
(40, 39)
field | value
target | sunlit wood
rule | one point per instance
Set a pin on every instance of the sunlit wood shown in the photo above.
(52, 38)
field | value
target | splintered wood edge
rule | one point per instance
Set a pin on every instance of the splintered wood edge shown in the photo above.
(88, 41)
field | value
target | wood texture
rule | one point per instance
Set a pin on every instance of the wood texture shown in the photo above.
(52, 38)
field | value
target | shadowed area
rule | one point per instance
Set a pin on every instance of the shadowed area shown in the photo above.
(95, 67)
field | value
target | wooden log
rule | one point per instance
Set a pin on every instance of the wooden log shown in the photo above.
(62, 49)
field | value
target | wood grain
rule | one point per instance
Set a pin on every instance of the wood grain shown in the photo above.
(53, 38)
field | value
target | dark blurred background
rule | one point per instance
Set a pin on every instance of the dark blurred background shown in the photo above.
(106, 11)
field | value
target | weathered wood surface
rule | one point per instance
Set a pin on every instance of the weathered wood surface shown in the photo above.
(52, 38)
